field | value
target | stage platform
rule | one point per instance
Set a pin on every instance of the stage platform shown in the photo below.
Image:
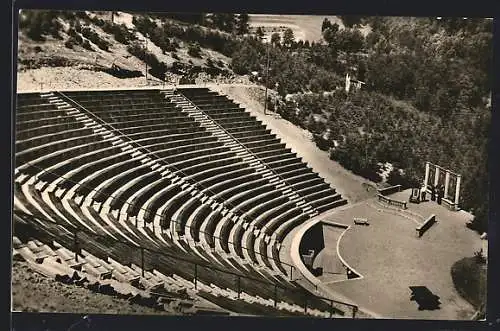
(394, 262)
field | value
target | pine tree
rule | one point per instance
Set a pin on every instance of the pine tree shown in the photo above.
(259, 33)
(242, 25)
(288, 38)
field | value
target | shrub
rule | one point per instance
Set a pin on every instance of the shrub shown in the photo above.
(94, 37)
(469, 278)
(69, 43)
(194, 50)
(120, 32)
(87, 45)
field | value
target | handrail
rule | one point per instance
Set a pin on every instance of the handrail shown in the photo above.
(149, 153)
(74, 230)
(157, 214)
(245, 148)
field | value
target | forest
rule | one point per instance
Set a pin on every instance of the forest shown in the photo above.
(426, 97)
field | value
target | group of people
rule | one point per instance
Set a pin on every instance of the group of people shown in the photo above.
(437, 193)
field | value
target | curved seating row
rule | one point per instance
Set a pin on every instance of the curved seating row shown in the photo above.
(129, 175)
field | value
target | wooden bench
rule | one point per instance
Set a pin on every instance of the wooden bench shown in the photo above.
(361, 221)
(426, 225)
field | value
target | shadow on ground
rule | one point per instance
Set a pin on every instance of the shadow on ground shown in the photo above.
(424, 297)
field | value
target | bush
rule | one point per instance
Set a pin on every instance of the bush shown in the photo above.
(94, 37)
(194, 50)
(157, 68)
(87, 45)
(120, 32)
(69, 44)
(469, 278)
(122, 73)
(322, 143)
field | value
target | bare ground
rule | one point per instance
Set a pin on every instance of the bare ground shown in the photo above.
(32, 292)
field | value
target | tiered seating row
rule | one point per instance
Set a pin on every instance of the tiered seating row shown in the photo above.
(77, 156)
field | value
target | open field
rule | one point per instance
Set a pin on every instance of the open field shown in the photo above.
(304, 27)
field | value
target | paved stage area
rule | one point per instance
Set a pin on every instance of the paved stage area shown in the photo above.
(387, 253)
(391, 259)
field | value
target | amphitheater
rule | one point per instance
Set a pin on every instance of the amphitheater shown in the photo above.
(153, 192)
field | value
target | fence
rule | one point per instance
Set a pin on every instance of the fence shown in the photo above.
(150, 258)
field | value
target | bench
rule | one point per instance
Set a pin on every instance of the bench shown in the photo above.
(361, 221)
(426, 225)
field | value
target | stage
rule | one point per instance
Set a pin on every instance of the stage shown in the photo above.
(400, 272)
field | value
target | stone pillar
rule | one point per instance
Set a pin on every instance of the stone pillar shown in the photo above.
(426, 179)
(457, 190)
(446, 184)
(436, 176)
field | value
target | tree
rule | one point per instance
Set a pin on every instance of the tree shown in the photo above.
(242, 24)
(245, 60)
(325, 25)
(288, 38)
(275, 39)
(224, 22)
(259, 33)
(330, 34)
(194, 50)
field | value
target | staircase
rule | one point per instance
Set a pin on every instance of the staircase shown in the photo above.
(239, 149)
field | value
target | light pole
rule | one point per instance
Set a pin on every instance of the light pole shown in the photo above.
(145, 56)
(267, 78)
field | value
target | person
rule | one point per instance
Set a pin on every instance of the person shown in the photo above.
(433, 193)
(440, 194)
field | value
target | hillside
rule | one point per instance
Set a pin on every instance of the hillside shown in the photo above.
(32, 292)
(58, 61)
